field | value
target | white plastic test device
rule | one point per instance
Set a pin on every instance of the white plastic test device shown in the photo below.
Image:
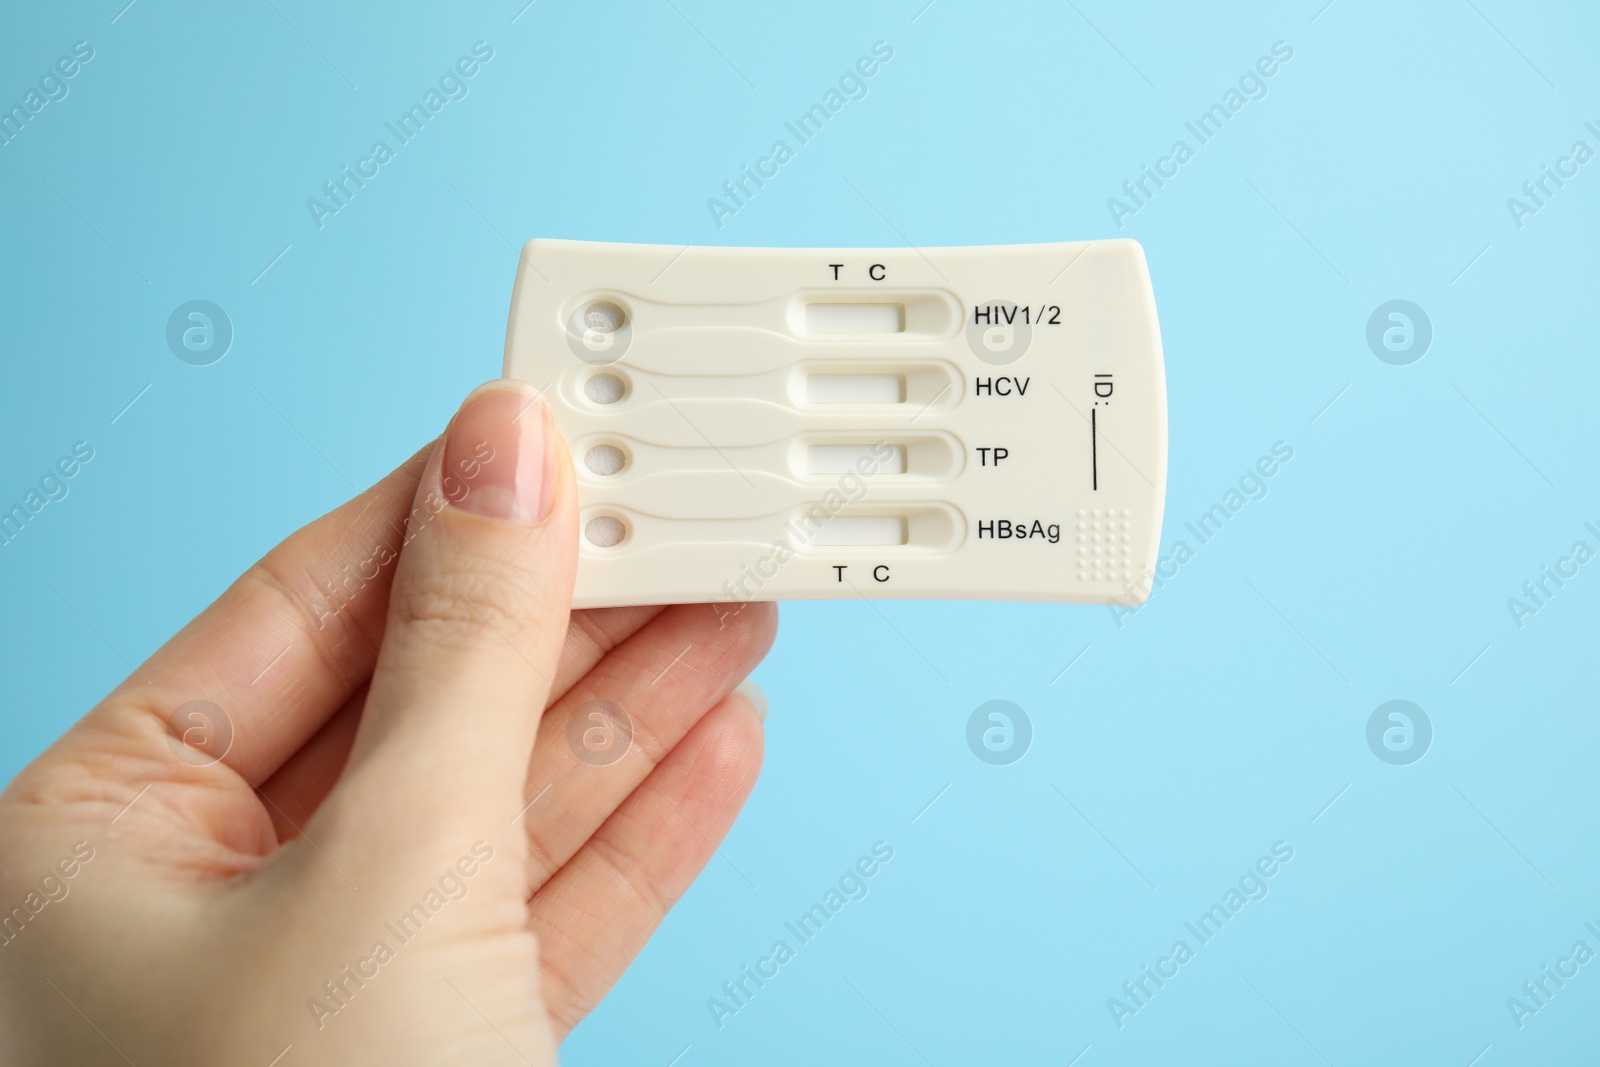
(802, 423)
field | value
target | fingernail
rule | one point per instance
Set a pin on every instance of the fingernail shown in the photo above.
(756, 698)
(497, 460)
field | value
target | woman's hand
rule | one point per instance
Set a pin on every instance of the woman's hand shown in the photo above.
(384, 801)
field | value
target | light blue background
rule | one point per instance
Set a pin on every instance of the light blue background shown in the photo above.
(1223, 717)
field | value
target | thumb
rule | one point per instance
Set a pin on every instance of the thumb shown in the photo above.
(477, 618)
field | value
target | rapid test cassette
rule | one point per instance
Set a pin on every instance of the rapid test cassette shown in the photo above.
(798, 423)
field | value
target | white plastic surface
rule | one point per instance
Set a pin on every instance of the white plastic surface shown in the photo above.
(773, 424)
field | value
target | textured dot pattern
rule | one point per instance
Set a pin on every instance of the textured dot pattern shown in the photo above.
(1105, 545)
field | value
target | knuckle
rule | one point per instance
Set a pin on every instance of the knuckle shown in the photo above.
(470, 601)
(543, 861)
(633, 874)
(566, 996)
(589, 637)
(650, 744)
